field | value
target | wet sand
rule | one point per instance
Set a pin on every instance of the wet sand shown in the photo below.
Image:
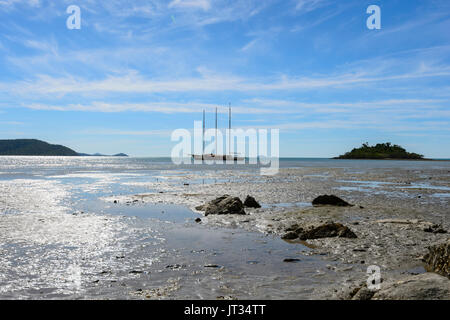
(131, 233)
(392, 209)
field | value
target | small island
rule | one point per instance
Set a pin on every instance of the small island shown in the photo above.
(34, 147)
(381, 151)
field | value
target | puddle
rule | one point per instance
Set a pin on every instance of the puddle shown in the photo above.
(427, 186)
(286, 205)
(369, 184)
(441, 195)
(160, 211)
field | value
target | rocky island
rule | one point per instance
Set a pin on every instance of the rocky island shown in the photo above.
(34, 147)
(380, 151)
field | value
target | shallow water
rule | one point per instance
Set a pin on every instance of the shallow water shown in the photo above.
(61, 236)
(59, 239)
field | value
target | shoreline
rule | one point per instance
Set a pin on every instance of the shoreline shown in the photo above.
(117, 225)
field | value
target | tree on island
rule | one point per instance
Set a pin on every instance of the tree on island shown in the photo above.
(380, 151)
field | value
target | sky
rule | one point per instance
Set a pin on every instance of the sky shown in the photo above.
(137, 70)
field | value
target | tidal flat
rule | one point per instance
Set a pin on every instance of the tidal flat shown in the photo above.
(77, 228)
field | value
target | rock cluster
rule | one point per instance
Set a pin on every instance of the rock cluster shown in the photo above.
(330, 200)
(223, 205)
(327, 230)
(227, 204)
(425, 286)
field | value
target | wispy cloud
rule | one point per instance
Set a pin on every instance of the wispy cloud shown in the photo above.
(196, 4)
(305, 6)
(135, 83)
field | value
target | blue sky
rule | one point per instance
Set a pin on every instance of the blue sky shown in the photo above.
(136, 70)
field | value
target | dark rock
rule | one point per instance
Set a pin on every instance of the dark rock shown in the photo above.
(136, 272)
(115, 201)
(225, 205)
(198, 220)
(436, 228)
(250, 202)
(201, 207)
(212, 266)
(438, 259)
(330, 200)
(290, 235)
(291, 260)
(175, 266)
(327, 230)
(363, 294)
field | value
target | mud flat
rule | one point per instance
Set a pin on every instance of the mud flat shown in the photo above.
(397, 214)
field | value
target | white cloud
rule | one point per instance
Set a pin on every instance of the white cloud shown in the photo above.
(196, 4)
(308, 5)
(135, 83)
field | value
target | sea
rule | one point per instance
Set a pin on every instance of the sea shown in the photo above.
(61, 239)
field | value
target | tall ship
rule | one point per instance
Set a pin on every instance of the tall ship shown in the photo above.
(214, 156)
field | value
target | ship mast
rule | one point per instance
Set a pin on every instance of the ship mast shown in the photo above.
(216, 133)
(203, 134)
(229, 128)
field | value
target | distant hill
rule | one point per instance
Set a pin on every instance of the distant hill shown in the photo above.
(102, 155)
(380, 151)
(33, 147)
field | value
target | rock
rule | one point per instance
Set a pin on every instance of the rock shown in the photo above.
(201, 207)
(436, 228)
(425, 286)
(330, 200)
(290, 235)
(136, 272)
(211, 266)
(175, 266)
(438, 259)
(198, 220)
(291, 260)
(327, 230)
(250, 202)
(225, 205)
